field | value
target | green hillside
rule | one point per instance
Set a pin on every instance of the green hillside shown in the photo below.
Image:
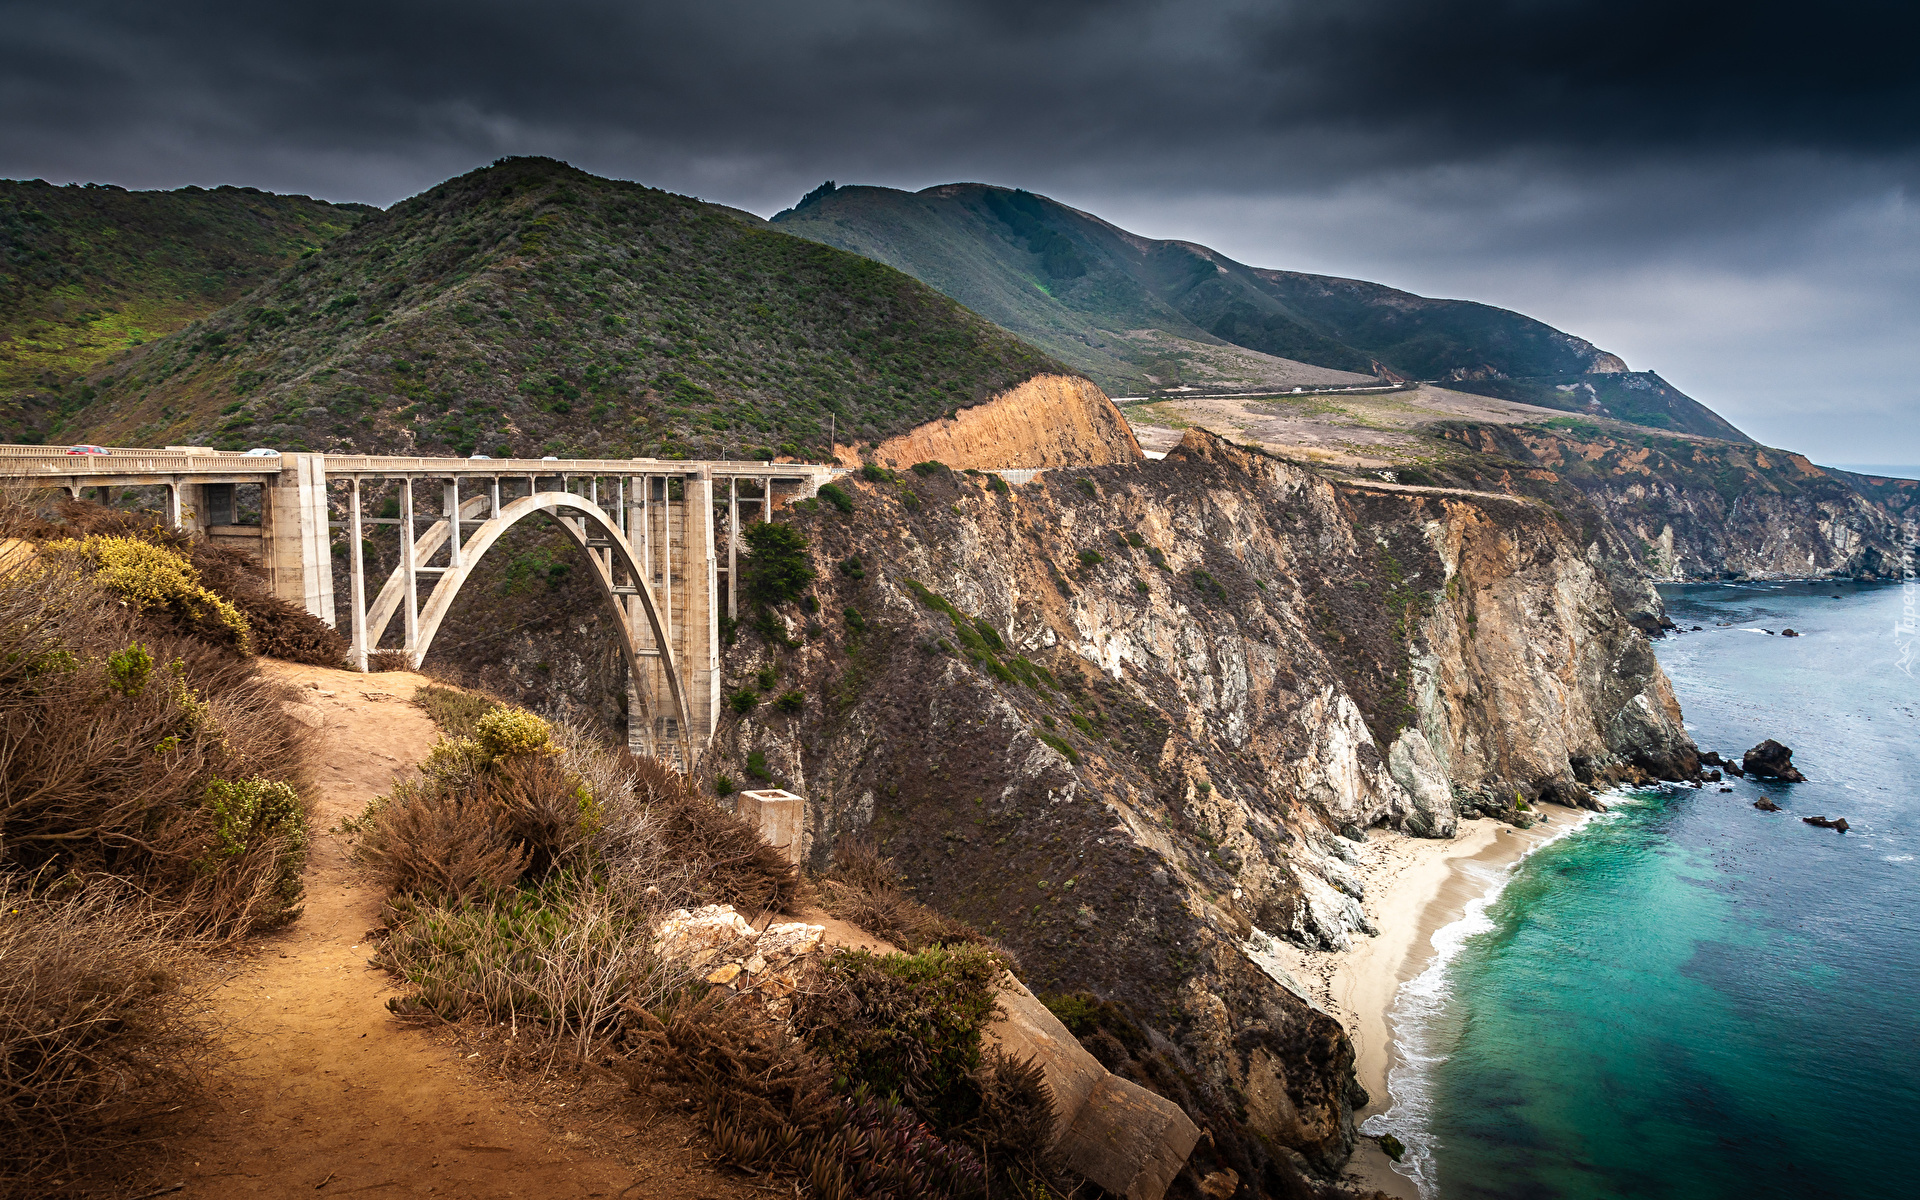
(531, 308)
(1134, 313)
(87, 272)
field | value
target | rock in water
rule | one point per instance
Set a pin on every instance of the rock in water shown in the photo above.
(1766, 805)
(1788, 633)
(1824, 823)
(1771, 760)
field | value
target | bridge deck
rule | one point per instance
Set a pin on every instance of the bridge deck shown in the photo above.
(135, 467)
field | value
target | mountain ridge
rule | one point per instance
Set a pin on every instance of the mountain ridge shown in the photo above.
(1138, 313)
(481, 313)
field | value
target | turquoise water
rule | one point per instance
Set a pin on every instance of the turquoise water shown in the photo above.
(1689, 997)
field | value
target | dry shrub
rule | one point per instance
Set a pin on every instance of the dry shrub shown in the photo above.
(442, 843)
(101, 1024)
(388, 660)
(768, 1104)
(115, 733)
(549, 814)
(731, 863)
(863, 889)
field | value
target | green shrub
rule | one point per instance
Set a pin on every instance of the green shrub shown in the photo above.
(905, 1025)
(855, 621)
(757, 766)
(152, 576)
(767, 676)
(1086, 485)
(1209, 588)
(744, 701)
(791, 702)
(1060, 744)
(853, 568)
(128, 669)
(265, 816)
(1135, 540)
(834, 495)
(1091, 558)
(777, 570)
(998, 484)
(723, 785)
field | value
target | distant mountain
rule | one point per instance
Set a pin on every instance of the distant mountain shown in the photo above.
(532, 308)
(1138, 314)
(87, 271)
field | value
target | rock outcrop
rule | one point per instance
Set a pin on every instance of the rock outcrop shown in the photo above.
(1119, 718)
(1048, 421)
(720, 946)
(1771, 760)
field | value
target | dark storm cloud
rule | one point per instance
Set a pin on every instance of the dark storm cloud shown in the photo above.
(1255, 93)
(1687, 183)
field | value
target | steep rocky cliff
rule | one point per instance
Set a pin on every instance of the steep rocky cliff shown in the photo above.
(1668, 506)
(1120, 717)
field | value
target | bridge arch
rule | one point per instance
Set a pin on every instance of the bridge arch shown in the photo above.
(596, 527)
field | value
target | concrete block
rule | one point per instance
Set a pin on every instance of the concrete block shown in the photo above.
(777, 815)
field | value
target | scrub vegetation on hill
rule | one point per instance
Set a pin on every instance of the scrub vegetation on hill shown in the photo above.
(88, 273)
(530, 308)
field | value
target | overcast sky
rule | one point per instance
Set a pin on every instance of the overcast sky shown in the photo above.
(1724, 193)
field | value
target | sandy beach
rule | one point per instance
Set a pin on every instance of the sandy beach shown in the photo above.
(1414, 887)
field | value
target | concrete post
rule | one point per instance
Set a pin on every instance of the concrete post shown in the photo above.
(779, 816)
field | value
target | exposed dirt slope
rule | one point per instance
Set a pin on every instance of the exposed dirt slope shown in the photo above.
(331, 1090)
(1048, 421)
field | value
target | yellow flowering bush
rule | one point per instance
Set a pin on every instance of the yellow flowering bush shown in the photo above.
(152, 576)
(509, 732)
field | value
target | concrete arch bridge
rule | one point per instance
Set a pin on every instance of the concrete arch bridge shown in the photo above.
(663, 535)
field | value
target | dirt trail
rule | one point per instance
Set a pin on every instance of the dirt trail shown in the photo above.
(330, 1095)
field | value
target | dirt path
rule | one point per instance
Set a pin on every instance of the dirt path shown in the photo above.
(330, 1095)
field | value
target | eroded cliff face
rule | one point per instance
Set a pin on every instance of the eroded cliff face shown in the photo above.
(1671, 507)
(1048, 421)
(1119, 718)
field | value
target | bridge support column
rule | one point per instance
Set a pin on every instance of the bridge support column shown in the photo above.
(297, 553)
(700, 643)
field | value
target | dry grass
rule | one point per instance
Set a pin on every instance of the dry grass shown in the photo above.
(102, 1025)
(454, 710)
(557, 961)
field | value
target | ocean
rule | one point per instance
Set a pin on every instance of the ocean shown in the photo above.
(1688, 997)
